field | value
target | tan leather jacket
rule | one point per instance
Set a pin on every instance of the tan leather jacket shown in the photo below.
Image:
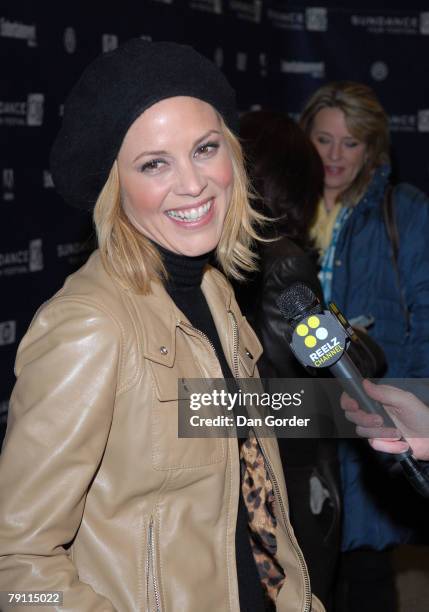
(100, 499)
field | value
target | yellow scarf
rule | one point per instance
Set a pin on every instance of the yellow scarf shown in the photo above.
(321, 230)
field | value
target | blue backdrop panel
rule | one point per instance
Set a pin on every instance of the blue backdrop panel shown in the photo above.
(275, 54)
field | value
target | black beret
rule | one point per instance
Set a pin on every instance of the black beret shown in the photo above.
(111, 94)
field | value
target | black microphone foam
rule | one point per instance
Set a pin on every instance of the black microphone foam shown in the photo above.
(298, 299)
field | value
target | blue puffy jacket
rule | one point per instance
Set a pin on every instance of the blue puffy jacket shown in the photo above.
(364, 283)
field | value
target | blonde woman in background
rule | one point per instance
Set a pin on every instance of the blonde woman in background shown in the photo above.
(350, 130)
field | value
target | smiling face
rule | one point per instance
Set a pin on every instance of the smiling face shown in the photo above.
(342, 154)
(176, 175)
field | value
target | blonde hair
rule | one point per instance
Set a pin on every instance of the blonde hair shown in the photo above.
(134, 261)
(366, 121)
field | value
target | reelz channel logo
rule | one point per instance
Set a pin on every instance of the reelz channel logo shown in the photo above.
(23, 261)
(319, 341)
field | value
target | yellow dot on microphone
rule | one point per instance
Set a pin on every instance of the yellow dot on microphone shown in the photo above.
(313, 322)
(310, 341)
(302, 330)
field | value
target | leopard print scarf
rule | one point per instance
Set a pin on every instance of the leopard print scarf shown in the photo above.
(259, 499)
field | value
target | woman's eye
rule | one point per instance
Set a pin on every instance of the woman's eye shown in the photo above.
(351, 144)
(323, 140)
(207, 149)
(152, 166)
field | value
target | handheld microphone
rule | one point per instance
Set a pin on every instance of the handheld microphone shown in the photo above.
(320, 340)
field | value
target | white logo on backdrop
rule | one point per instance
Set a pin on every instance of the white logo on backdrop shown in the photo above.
(35, 102)
(387, 24)
(8, 184)
(424, 23)
(13, 113)
(316, 19)
(70, 40)
(423, 120)
(23, 113)
(23, 261)
(48, 183)
(15, 29)
(35, 263)
(7, 332)
(379, 71)
(286, 20)
(248, 11)
(241, 61)
(207, 6)
(218, 57)
(8, 178)
(75, 252)
(109, 42)
(263, 64)
(314, 69)
(403, 123)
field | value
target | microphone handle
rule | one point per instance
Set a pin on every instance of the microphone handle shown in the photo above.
(351, 380)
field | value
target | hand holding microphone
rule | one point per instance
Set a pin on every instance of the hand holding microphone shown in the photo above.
(319, 339)
(409, 413)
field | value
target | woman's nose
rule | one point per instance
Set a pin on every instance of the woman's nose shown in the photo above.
(335, 151)
(190, 180)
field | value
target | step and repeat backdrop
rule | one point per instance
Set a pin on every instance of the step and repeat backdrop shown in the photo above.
(274, 52)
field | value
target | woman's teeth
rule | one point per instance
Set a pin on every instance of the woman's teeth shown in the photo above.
(190, 214)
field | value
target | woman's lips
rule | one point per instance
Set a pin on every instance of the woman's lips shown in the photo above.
(193, 216)
(334, 170)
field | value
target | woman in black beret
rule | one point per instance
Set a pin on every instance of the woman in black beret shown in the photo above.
(103, 506)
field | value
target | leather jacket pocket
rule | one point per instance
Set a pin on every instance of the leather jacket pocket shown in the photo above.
(169, 452)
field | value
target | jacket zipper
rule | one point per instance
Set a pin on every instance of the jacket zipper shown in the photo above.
(274, 482)
(236, 374)
(200, 333)
(234, 345)
(150, 569)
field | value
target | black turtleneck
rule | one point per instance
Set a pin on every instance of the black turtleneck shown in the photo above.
(185, 275)
(184, 287)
